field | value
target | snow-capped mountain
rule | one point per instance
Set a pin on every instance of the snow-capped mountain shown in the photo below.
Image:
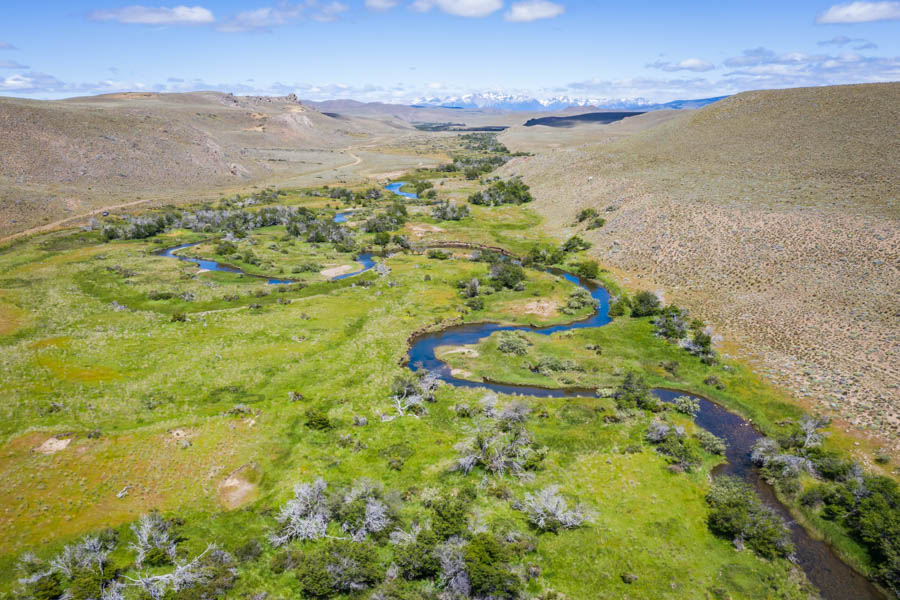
(512, 102)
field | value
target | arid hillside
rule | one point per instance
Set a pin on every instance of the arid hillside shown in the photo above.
(62, 158)
(774, 216)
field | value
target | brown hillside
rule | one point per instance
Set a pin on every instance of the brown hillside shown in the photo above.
(62, 158)
(773, 215)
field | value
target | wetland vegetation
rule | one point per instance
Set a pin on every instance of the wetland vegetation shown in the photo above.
(176, 432)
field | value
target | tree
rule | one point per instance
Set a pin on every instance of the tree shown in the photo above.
(575, 244)
(382, 238)
(644, 304)
(507, 275)
(587, 269)
(737, 514)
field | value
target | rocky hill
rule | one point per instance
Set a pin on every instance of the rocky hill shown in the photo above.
(772, 214)
(60, 158)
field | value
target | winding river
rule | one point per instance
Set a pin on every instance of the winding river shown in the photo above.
(835, 579)
(365, 259)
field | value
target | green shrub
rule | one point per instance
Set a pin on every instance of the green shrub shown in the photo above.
(587, 269)
(417, 560)
(710, 442)
(585, 214)
(486, 564)
(317, 419)
(575, 244)
(512, 342)
(736, 513)
(224, 248)
(513, 191)
(507, 275)
(340, 566)
(451, 514)
(687, 405)
(645, 304)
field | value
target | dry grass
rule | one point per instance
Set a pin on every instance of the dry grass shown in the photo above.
(64, 161)
(772, 215)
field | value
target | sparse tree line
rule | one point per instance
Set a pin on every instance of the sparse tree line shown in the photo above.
(510, 191)
(837, 489)
(426, 544)
(670, 322)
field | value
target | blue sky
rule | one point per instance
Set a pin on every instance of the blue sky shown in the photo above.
(402, 50)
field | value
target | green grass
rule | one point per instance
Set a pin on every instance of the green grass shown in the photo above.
(73, 364)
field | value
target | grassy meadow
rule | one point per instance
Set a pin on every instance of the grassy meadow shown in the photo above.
(133, 382)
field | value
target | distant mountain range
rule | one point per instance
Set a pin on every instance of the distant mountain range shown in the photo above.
(506, 102)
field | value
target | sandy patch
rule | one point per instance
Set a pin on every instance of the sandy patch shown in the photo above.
(541, 308)
(179, 434)
(235, 490)
(460, 373)
(53, 445)
(420, 229)
(335, 271)
(469, 352)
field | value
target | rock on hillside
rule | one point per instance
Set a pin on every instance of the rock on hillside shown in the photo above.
(773, 215)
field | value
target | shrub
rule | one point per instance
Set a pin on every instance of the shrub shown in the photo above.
(596, 223)
(507, 275)
(415, 558)
(544, 255)
(575, 244)
(475, 303)
(548, 510)
(635, 393)
(512, 342)
(486, 565)
(578, 299)
(437, 254)
(645, 304)
(339, 567)
(587, 269)
(687, 405)
(317, 419)
(585, 214)
(305, 516)
(737, 514)
(513, 191)
(547, 365)
(500, 448)
(449, 211)
(225, 247)
(618, 306)
(451, 514)
(711, 442)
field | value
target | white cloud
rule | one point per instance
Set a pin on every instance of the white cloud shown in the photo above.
(533, 10)
(11, 64)
(6, 46)
(146, 15)
(460, 8)
(268, 17)
(843, 40)
(697, 65)
(380, 4)
(861, 12)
